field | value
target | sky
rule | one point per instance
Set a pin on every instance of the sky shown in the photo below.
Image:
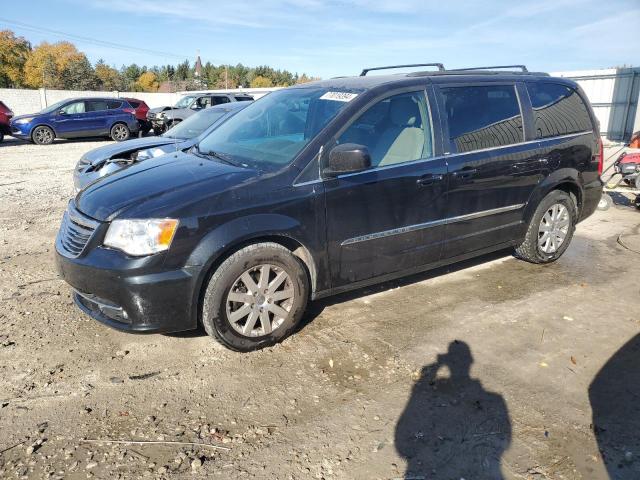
(340, 37)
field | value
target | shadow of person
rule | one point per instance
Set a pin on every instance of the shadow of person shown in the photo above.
(615, 402)
(453, 428)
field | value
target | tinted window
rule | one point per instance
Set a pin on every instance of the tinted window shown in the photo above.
(483, 117)
(219, 100)
(395, 130)
(133, 104)
(75, 107)
(96, 105)
(557, 110)
(114, 104)
(244, 99)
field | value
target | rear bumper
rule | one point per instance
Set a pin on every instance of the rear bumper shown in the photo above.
(5, 129)
(591, 196)
(131, 294)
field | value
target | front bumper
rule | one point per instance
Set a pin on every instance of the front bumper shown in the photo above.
(21, 130)
(131, 294)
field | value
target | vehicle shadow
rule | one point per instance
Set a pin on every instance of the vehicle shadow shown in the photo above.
(316, 307)
(451, 427)
(615, 403)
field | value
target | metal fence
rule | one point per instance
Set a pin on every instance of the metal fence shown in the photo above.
(614, 94)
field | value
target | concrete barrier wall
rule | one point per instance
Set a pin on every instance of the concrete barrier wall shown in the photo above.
(23, 101)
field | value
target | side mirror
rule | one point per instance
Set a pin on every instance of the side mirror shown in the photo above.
(347, 158)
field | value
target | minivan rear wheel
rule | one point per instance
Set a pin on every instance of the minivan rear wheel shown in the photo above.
(550, 230)
(256, 297)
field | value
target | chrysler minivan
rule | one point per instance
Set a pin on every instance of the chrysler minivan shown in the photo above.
(329, 186)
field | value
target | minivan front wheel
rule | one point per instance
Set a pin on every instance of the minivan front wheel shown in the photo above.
(43, 135)
(256, 297)
(550, 230)
(120, 132)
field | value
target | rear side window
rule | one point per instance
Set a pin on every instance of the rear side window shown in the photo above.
(114, 104)
(96, 105)
(483, 116)
(134, 104)
(220, 100)
(557, 110)
(243, 99)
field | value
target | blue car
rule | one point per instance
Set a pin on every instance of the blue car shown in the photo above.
(76, 118)
(107, 159)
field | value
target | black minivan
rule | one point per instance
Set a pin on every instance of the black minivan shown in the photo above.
(330, 186)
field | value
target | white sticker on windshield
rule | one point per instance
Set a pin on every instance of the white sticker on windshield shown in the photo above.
(339, 96)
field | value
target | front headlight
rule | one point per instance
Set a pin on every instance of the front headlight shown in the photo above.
(23, 120)
(141, 237)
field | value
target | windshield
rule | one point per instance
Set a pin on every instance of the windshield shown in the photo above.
(184, 102)
(269, 133)
(54, 107)
(195, 124)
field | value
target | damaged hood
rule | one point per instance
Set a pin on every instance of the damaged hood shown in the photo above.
(167, 176)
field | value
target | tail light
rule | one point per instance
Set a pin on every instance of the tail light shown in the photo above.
(600, 157)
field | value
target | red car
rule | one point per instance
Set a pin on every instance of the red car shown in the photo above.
(5, 117)
(140, 109)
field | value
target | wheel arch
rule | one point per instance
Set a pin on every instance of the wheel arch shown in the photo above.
(43, 124)
(566, 180)
(213, 250)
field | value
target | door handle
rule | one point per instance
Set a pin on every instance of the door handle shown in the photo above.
(429, 179)
(466, 173)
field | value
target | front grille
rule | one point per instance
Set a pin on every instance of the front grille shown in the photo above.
(75, 232)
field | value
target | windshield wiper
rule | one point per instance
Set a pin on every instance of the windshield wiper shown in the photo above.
(211, 154)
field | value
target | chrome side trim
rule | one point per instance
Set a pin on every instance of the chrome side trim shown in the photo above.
(434, 223)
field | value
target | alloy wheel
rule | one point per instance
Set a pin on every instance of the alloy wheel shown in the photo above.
(260, 300)
(120, 132)
(553, 229)
(43, 135)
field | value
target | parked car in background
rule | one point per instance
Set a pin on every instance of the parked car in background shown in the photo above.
(77, 118)
(162, 118)
(5, 119)
(107, 159)
(330, 186)
(140, 110)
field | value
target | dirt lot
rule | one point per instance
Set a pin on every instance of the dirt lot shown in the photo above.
(491, 369)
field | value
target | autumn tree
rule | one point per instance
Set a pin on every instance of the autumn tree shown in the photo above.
(47, 61)
(14, 52)
(261, 82)
(108, 77)
(147, 82)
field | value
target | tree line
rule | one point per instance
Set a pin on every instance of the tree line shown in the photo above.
(62, 66)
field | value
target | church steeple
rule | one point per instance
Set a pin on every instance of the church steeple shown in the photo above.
(198, 66)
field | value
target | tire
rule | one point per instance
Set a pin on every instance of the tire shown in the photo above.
(530, 250)
(42, 135)
(218, 309)
(605, 203)
(120, 132)
(1, 137)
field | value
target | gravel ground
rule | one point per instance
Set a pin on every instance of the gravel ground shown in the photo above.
(490, 369)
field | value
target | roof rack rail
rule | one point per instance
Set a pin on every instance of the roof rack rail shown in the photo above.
(439, 65)
(523, 68)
